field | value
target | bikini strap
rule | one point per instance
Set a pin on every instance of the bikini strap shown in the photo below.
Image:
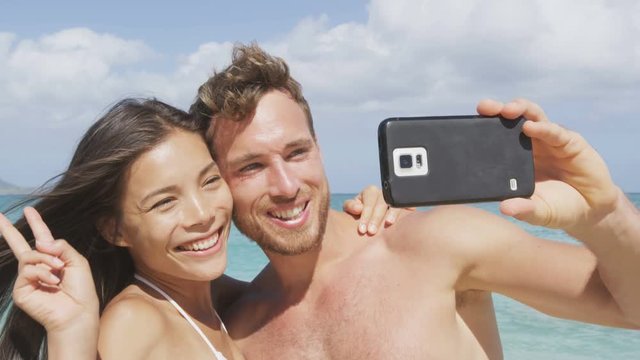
(218, 355)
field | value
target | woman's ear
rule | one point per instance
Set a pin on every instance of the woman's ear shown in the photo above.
(108, 228)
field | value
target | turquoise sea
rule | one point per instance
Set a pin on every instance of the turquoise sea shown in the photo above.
(526, 334)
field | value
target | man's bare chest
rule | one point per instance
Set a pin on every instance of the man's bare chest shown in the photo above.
(358, 316)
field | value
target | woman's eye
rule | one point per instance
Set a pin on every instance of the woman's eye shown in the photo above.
(162, 204)
(212, 180)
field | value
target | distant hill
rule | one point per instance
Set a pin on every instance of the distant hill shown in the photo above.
(8, 188)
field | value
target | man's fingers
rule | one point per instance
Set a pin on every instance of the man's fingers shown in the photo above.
(512, 110)
(489, 107)
(40, 230)
(521, 107)
(13, 237)
(533, 211)
(516, 206)
(556, 136)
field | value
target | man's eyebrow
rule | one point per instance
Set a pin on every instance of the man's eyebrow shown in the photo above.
(299, 143)
(252, 156)
(244, 159)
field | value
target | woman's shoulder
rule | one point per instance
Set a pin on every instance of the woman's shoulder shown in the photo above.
(133, 323)
(133, 304)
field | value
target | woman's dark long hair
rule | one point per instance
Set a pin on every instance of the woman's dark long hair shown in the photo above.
(88, 191)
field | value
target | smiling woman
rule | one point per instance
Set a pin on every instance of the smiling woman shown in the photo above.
(119, 207)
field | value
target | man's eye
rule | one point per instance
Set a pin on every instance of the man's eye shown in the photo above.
(297, 153)
(251, 167)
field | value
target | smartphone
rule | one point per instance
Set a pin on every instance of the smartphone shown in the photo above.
(454, 159)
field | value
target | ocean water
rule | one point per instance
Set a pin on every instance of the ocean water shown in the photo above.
(526, 333)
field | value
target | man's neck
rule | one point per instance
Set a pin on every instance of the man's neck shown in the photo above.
(295, 273)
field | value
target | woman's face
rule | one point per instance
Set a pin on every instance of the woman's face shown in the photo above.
(176, 211)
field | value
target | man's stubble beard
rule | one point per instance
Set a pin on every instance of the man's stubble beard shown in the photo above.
(285, 241)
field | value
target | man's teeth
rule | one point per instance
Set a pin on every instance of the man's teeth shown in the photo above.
(288, 214)
(200, 245)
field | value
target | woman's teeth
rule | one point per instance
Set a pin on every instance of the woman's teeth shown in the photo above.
(288, 214)
(200, 245)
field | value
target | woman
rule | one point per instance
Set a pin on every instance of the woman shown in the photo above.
(144, 203)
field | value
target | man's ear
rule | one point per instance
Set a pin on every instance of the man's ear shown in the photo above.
(108, 228)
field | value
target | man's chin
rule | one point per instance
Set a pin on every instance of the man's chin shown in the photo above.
(288, 243)
(288, 249)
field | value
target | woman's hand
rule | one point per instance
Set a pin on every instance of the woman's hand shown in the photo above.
(54, 284)
(372, 210)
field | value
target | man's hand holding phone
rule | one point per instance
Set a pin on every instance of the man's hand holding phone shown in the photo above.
(574, 192)
(574, 189)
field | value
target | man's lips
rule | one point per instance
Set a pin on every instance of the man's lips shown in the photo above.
(291, 217)
(288, 214)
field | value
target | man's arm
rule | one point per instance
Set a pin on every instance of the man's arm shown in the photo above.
(559, 279)
(575, 192)
(615, 240)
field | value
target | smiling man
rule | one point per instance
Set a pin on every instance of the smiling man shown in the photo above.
(275, 166)
(419, 289)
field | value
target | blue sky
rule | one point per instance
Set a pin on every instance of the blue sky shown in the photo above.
(63, 63)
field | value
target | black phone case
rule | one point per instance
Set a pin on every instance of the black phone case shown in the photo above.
(469, 158)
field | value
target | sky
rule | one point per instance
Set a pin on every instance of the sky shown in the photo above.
(64, 63)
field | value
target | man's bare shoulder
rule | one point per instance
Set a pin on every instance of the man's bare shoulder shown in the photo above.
(446, 229)
(132, 323)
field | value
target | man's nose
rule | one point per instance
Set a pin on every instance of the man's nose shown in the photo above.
(284, 183)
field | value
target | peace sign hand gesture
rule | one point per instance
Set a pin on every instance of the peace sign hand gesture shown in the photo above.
(54, 284)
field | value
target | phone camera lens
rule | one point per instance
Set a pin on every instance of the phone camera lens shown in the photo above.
(406, 161)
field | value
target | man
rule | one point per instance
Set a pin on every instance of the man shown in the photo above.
(418, 289)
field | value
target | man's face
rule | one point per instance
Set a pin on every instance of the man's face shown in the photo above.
(274, 169)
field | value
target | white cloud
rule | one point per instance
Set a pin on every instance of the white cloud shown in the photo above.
(61, 77)
(433, 53)
(410, 57)
(410, 54)
(69, 64)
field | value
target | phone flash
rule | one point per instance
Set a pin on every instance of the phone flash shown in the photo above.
(513, 184)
